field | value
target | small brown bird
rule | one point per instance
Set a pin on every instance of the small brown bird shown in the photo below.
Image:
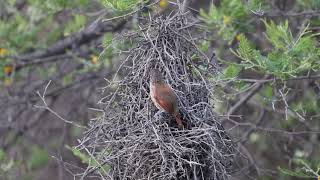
(163, 96)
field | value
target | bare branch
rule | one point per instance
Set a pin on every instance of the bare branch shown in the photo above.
(46, 107)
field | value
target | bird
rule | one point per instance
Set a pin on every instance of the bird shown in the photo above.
(163, 97)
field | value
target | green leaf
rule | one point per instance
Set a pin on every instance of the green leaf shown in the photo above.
(242, 86)
(294, 173)
(75, 25)
(83, 157)
(67, 79)
(290, 55)
(309, 4)
(121, 5)
(231, 71)
(212, 17)
(279, 35)
(107, 39)
(2, 155)
(38, 158)
(88, 160)
(234, 8)
(204, 46)
(267, 91)
(245, 49)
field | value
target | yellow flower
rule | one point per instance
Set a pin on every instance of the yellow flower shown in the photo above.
(238, 37)
(163, 3)
(318, 177)
(8, 69)
(94, 59)
(7, 82)
(226, 20)
(3, 52)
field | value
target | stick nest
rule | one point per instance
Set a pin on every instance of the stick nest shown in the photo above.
(133, 140)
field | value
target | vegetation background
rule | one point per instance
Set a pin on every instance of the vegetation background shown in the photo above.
(267, 94)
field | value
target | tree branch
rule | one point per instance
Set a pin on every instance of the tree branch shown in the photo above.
(243, 100)
(276, 79)
(92, 32)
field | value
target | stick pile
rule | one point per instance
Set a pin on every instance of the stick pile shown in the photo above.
(133, 140)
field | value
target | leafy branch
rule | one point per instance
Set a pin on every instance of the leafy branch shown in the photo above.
(289, 57)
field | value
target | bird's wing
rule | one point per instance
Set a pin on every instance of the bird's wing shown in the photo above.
(167, 99)
(165, 104)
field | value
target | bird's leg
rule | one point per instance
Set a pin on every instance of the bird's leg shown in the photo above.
(179, 121)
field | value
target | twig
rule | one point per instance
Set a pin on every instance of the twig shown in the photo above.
(258, 123)
(314, 77)
(250, 157)
(185, 5)
(46, 107)
(244, 99)
(292, 14)
(270, 130)
(21, 64)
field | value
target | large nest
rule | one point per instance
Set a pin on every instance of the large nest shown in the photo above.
(137, 141)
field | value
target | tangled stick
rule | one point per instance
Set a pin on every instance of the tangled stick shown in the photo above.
(136, 141)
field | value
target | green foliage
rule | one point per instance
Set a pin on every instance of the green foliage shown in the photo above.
(290, 55)
(308, 104)
(304, 169)
(76, 24)
(204, 46)
(267, 91)
(257, 5)
(121, 5)
(279, 35)
(241, 86)
(107, 53)
(21, 31)
(249, 54)
(266, 95)
(36, 27)
(89, 160)
(38, 158)
(17, 33)
(310, 4)
(216, 20)
(231, 17)
(83, 157)
(67, 79)
(53, 6)
(107, 40)
(112, 46)
(294, 173)
(231, 71)
(235, 9)
(2, 155)
(212, 17)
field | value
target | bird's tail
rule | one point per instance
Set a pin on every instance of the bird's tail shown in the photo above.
(179, 121)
